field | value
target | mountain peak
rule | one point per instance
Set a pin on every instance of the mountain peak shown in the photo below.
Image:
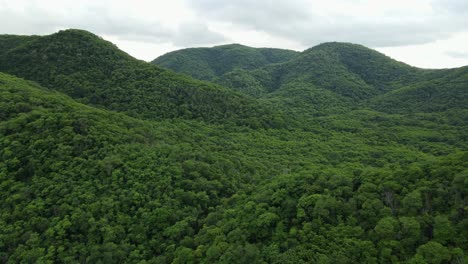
(334, 45)
(373, 67)
(94, 71)
(231, 45)
(75, 31)
(210, 63)
(352, 51)
(339, 44)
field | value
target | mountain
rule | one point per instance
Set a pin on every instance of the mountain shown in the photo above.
(346, 163)
(448, 91)
(209, 63)
(336, 77)
(359, 71)
(373, 68)
(8, 42)
(86, 184)
(96, 72)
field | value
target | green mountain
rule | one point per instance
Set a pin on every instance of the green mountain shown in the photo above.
(83, 184)
(449, 91)
(360, 71)
(373, 68)
(209, 63)
(8, 42)
(96, 72)
(378, 175)
(336, 77)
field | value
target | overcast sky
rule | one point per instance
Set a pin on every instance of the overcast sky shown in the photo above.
(423, 33)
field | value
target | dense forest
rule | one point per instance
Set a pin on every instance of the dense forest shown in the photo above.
(337, 154)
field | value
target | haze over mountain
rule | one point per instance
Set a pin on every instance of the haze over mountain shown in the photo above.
(337, 154)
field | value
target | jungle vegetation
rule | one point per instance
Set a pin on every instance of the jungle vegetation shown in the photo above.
(337, 154)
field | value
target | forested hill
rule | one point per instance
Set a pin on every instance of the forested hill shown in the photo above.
(446, 91)
(209, 63)
(336, 77)
(8, 42)
(348, 69)
(96, 72)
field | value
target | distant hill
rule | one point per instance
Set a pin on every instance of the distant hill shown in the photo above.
(374, 68)
(444, 92)
(96, 72)
(8, 42)
(334, 78)
(209, 63)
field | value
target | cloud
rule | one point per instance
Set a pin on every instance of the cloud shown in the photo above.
(452, 6)
(184, 23)
(457, 54)
(103, 18)
(373, 23)
(196, 33)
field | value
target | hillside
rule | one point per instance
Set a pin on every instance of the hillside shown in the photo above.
(8, 42)
(209, 63)
(332, 78)
(357, 67)
(82, 184)
(434, 95)
(96, 72)
(374, 68)
(113, 188)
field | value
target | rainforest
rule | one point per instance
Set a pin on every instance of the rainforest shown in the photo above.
(228, 154)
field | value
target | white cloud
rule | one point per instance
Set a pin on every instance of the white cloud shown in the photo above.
(374, 23)
(124, 20)
(437, 54)
(457, 54)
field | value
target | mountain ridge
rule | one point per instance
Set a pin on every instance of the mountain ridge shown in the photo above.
(96, 72)
(354, 74)
(213, 62)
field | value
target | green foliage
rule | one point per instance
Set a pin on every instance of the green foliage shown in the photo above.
(433, 252)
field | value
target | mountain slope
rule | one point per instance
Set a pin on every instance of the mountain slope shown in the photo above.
(358, 66)
(324, 82)
(80, 184)
(336, 77)
(209, 63)
(8, 42)
(96, 72)
(347, 69)
(374, 68)
(450, 91)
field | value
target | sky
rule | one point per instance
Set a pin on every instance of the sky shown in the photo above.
(422, 33)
